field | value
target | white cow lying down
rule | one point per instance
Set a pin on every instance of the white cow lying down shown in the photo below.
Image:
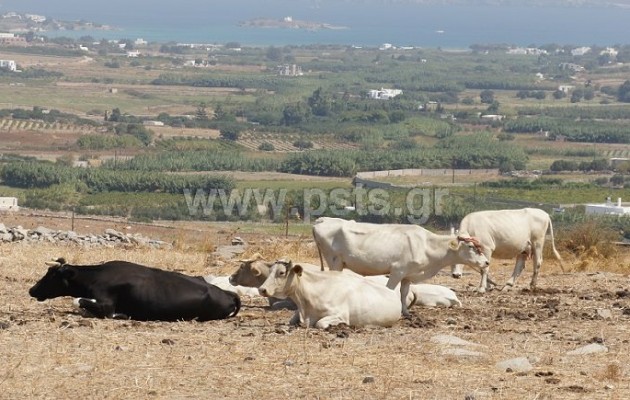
(254, 271)
(326, 298)
(223, 282)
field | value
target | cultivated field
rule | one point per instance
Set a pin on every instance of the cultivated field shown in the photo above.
(48, 350)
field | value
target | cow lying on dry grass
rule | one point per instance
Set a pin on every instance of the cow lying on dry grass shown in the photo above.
(326, 298)
(121, 289)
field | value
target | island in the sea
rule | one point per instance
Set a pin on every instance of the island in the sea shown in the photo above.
(20, 23)
(288, 22)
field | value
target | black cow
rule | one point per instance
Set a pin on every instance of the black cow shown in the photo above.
(135, 291)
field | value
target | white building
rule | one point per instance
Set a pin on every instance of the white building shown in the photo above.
(35, 17)
(289, 70)
(384, 94)
(529, 50)
(580, 51)
(572, 67)
(9, 204)
(517, 51)
(566, 88)
(608, 208)
(492, 117)
(8, 64)
(152, 123)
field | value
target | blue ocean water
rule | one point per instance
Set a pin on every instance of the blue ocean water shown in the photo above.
(369, 23)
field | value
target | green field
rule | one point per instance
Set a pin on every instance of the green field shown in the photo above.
(322, 126)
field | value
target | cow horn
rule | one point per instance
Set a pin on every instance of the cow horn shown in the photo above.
(252, 258)
(53, 263)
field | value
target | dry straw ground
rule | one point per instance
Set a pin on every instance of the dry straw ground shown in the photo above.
(48, 350)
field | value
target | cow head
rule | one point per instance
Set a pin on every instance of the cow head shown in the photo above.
(251, 273)
(56, 281)
(281, 276)
(469, 251)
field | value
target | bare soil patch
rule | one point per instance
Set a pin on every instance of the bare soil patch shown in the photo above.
(49, 350)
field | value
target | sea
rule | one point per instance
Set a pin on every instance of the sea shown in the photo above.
(367, 23)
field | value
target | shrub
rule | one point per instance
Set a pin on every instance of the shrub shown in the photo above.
(593, 237)
(303, 144)
(266, 146)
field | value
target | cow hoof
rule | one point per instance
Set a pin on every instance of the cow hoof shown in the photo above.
(506, 288)
(456, 276)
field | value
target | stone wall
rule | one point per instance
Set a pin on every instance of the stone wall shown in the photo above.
(109, 238)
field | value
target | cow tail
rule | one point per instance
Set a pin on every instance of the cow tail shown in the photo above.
(237, 301)
(553, 246)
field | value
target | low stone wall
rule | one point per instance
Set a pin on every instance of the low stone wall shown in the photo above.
(425, 172)
(109, 238)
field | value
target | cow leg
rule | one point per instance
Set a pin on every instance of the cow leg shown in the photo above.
(295, 319)
(395, 278)
(518, 269)
(404, 292)
(483, 284)
(100, 309)
(538, 258)
(329, 321)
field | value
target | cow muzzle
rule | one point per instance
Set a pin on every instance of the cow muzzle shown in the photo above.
(263, 292)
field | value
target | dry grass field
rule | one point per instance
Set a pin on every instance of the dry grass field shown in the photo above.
(49, 350)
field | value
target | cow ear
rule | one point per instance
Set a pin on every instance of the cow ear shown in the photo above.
(453, 244)
(297, 269)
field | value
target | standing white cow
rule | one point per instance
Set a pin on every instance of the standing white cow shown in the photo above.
(408, 253)
(507, 234)
(326, 298)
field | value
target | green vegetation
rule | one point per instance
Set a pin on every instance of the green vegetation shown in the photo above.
(201, 160)
(477, 109)
(474, 151)
(43, 175)
(101, 142)
(578, 131)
